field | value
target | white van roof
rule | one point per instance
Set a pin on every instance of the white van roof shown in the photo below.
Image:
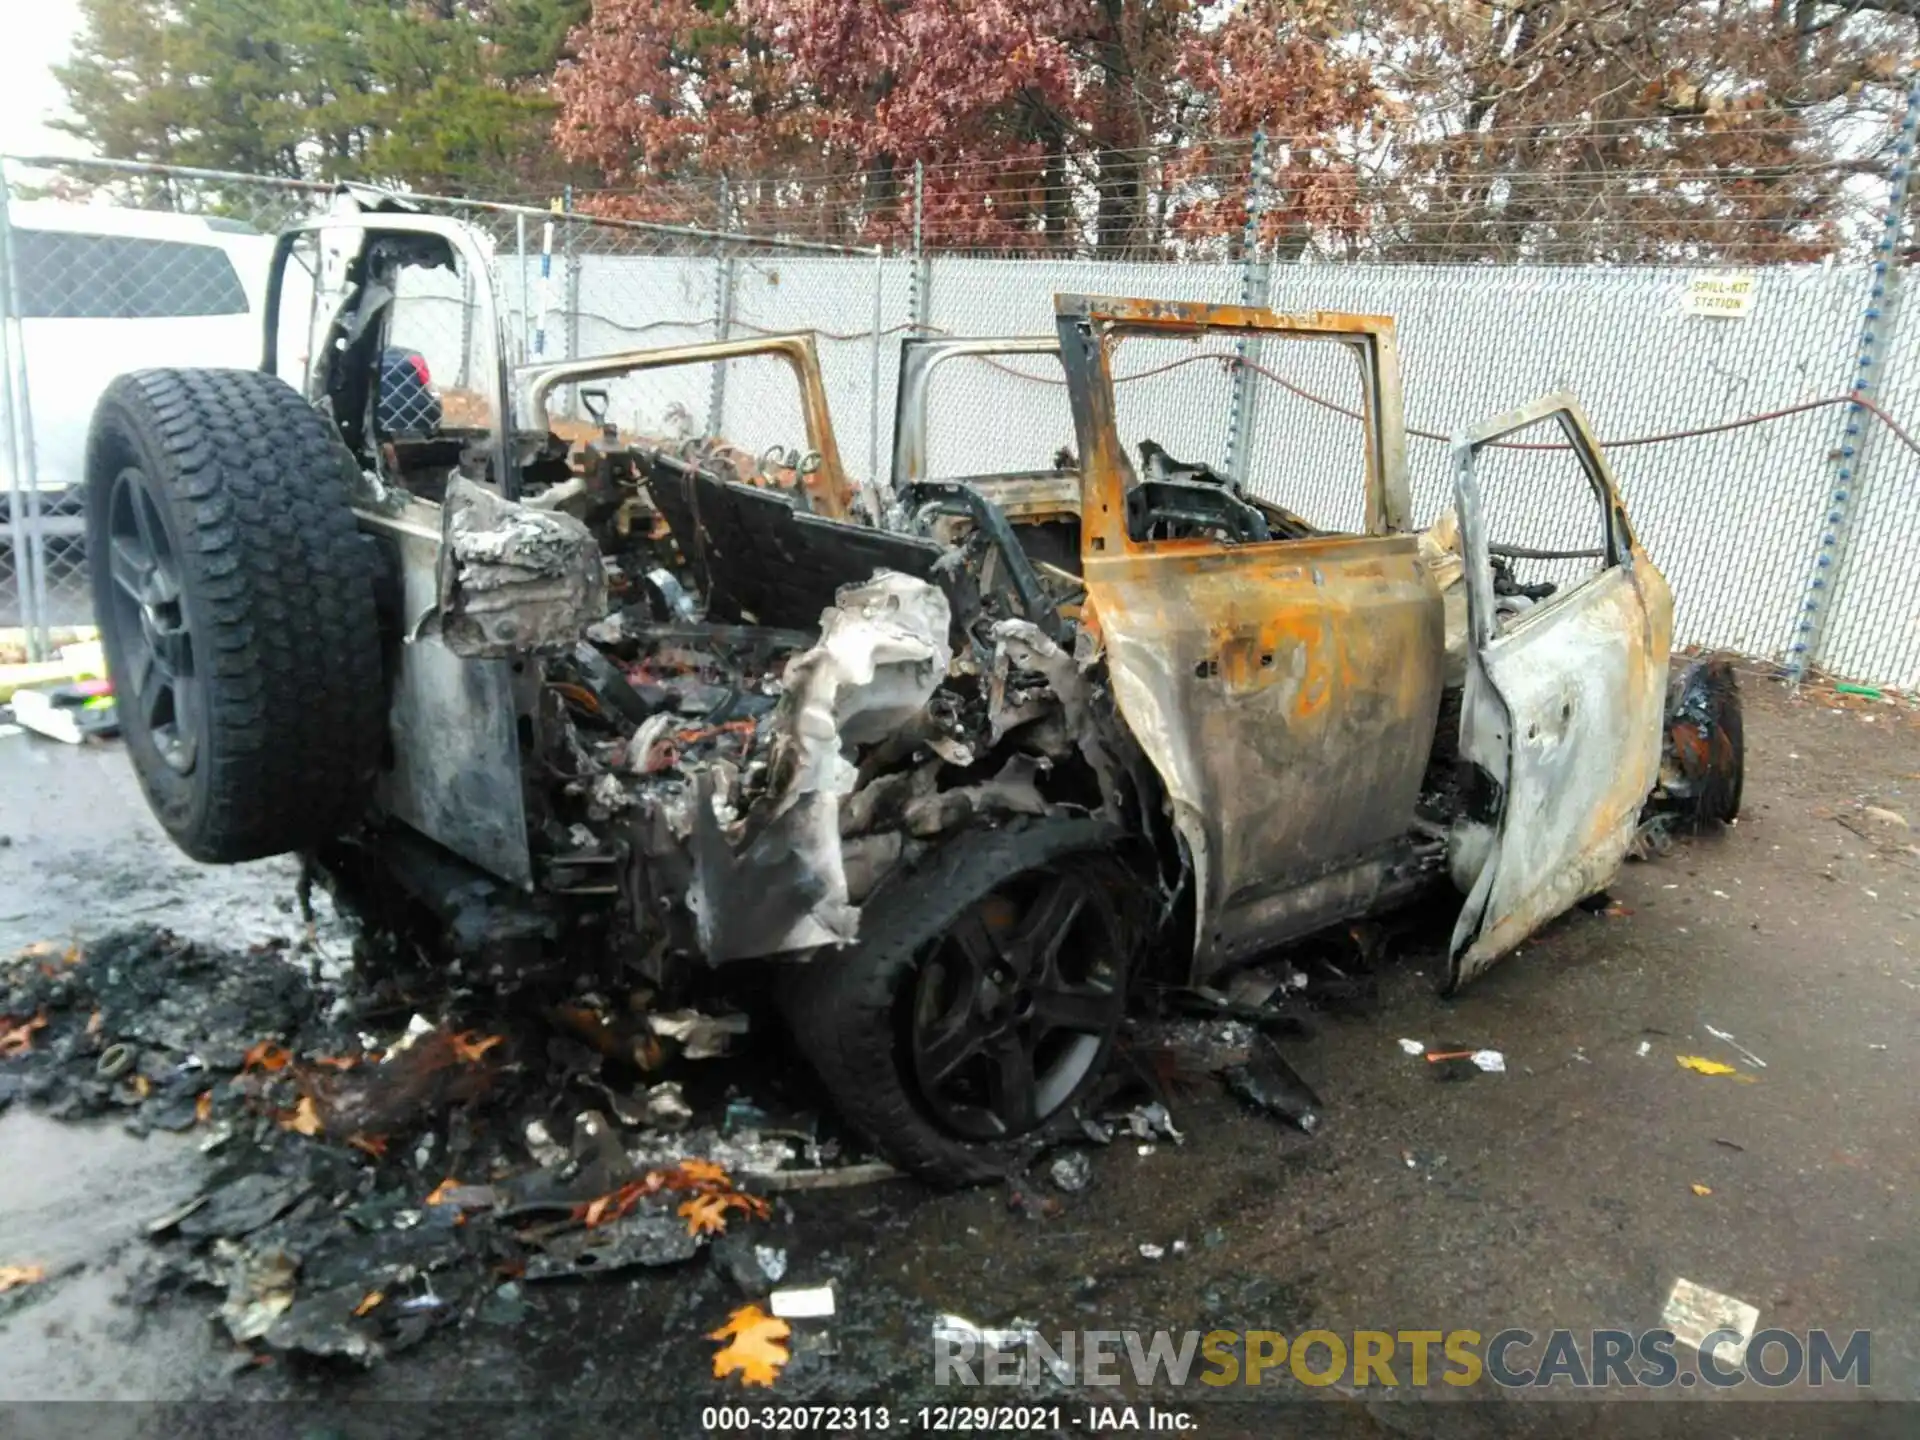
(119, 220)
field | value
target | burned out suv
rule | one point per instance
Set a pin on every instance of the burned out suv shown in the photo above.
(950, 763)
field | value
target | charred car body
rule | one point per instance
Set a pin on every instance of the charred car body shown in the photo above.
(951, 757)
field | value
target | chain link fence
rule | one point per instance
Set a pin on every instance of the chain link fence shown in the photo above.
(110, 267)
(1737, 517)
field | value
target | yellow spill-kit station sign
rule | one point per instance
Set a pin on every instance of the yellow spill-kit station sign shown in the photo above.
(1720, 292)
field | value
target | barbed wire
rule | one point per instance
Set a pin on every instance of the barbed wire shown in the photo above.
(1238, 148)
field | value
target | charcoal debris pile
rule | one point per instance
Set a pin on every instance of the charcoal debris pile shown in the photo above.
(374, 1174)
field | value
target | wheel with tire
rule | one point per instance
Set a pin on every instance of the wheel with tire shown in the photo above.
(1705, 742)
(235, 600)
(981, 1000)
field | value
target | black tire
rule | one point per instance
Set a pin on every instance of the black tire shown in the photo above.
(235, 599)
(851, 1010)
(1706, 740)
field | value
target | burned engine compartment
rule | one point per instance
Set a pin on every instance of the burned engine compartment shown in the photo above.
(739, 716)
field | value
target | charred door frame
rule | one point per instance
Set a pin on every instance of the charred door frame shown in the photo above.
(1285, 691)
(372, 225)
(1026, 495)
(1086, 325)
(832, 490)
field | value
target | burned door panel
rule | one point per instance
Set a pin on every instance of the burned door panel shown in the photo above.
(1562, 715)
(1287, 695)
(1285, 691)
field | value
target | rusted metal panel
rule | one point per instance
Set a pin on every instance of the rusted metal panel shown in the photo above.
(1563, 710)
(1286, 694)
(1286, 691)
(832, 493)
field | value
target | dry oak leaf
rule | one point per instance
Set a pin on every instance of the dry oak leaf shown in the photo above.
(470, 1045)
(303, 1119)
(753, 1346)
(699, 1172)
(706, 1214)
(266, 1056)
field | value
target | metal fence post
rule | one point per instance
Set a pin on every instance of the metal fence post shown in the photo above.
(723, 281)
(1860, 437)
(873, 384)
(526, 289)
(23, 501)
(920, 278)
(1255, 279)
(572, 302)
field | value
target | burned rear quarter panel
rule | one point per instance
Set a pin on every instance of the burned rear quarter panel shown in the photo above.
(1286, 694)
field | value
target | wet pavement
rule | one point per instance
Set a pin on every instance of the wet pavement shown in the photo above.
(1560, 1193)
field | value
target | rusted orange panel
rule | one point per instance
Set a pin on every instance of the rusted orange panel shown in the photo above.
(1286, 694)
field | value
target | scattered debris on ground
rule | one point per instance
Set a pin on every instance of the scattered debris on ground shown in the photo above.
(384, 1160)
(1700, 1065)
(1693, 1312)
(1745, 1054)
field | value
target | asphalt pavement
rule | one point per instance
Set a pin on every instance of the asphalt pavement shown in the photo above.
(1573, 1190)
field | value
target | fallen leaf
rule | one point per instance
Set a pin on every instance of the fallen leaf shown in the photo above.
(374, 1145)
(303, 1119)
(1702, 1189)
(1618, 909)
(470, 1045)
(142, 1087)
(337, 1062)
(203, 1107)
(15, 1275)
(616, 1203)
(1700, 1065)
(439, 1195)
(16, 1036)
(94, 1021)
(368, 1301)
(753, 1346)
(72, 956)
(706, 1214)
(703, 1172)
(268, 1056)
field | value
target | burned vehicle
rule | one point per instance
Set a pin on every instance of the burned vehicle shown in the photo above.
(948, 766)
